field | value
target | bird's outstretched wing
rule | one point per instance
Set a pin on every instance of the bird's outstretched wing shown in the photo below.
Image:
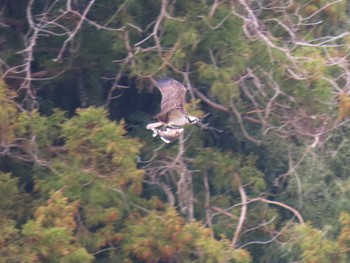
(173, 97)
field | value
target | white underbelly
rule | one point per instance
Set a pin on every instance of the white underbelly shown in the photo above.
(178, 122)
(176, 118)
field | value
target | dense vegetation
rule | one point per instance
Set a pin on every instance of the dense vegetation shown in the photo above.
(82, 180)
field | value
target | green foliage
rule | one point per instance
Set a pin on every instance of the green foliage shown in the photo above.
(76, 186)
(223, 166)
(223, 86)
(7, 114)
(313, 245)
(344, 237)
(165, 236)
(241, 256)
(98, 170)
(13, 245)
(8, 191)
(9, 194)
(48, 237)
(312, 61)
(147, 64)
(100, 146)
(15, 204)
(313, 192)
(322, 90)
(309, 238)
(45, 129)
(51, 232)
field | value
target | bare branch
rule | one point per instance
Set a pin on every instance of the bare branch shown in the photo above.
(207, 203)
(242, 217)
(210, 102)
(76, 29)
(294, 211)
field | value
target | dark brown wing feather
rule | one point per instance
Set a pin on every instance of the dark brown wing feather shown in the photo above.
(173, 97)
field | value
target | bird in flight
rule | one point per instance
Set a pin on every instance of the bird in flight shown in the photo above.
(172, 113)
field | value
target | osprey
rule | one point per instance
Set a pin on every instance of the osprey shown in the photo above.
(172, 111)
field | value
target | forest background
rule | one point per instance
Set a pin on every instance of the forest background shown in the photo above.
(82, 180)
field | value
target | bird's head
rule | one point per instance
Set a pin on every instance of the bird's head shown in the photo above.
(192, 119)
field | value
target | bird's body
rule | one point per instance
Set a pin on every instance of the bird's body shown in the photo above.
(172, 110)
(176, 118)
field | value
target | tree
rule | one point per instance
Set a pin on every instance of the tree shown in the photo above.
(268, 74)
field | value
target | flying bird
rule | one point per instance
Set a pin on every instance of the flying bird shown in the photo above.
(172, 110)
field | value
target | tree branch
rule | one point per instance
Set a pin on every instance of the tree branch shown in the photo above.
(243, 212)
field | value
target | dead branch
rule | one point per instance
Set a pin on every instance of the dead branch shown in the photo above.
(76, 29)
(210, 102)
(294, 211)
(243, 214)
